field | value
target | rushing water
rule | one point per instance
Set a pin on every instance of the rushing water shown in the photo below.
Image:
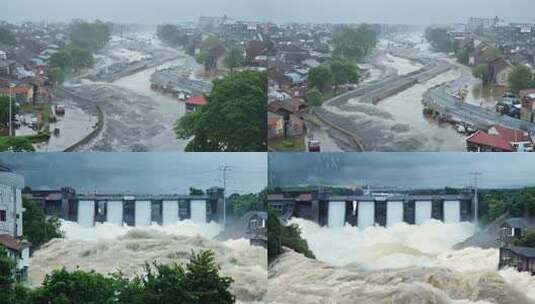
(400, 264)
(107, 248)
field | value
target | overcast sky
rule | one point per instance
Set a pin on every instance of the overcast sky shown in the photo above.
(402, 170)
(139, 173)
(381, 11)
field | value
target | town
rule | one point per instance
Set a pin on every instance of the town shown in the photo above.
(372, 87)
(102, 86)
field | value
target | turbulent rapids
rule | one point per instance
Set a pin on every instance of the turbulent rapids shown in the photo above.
(401, 264)
(108, 248)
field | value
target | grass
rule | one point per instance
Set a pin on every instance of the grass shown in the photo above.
(288, 144)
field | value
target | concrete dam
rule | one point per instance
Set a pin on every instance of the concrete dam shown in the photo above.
(368, 210)
(128, 209)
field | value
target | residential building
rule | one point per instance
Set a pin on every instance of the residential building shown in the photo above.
(515, 227)
(21, 93)
(483, 142)
(520, 258)
(11, 211)
(275, 125)
(195, 102)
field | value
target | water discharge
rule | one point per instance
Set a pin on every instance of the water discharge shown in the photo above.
(107, 248)
(400, 264)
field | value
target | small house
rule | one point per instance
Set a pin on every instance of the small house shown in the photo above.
(520, 258)
(195, 102)
(516, 227)
(19, 252)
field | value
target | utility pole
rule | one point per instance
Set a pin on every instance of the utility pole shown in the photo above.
(10, 110)
(225, 169)
(476, 201)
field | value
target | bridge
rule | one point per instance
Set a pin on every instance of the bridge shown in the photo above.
(369, 210)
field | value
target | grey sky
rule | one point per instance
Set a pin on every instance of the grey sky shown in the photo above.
(382, 11)
(404, 170)
(141, 173)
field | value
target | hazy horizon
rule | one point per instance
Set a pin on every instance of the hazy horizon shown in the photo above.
(417, 12)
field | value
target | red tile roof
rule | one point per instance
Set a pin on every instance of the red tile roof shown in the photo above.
(15, 90)
(512, 135)
(494, 141)
(196, 100)
(12, 243)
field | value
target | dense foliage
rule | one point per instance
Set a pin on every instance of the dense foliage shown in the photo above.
(439, 39)
(4, 110)
(7, 36)
(527, 240)
(72, 58)
(234, 58)
(323, 78)
(37, 228)
(521, 78)
(90, 35)
(239, 205)
(210, 50)
(354, 43)
(196, 282)
(234, 118)
(170, 34)
(280, 236)
(482, 71)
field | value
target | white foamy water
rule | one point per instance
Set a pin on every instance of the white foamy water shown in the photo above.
(107, 248)
(400, 264)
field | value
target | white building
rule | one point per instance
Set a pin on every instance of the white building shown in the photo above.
(11, 210)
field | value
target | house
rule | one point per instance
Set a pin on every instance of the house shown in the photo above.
(500, 70)
(520, 258)
(275, 125)
(7, 68)
(515, 227)
(520, 140)
(257, 228)
(295, 126)
(193, 103)
(483, 142)
(22, 93)
(11, 212)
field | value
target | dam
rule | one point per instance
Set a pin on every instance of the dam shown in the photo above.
(364, 211)
(129, 209)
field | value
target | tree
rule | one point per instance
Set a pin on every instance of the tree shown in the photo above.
(76, 287)
(439, 39)
(527, 240)
(234, 118)
(321, 78)
(171, 35)
(313, 97)
(211, 49)
(81, 58)
(239, 205)
(90, 35)
(7, 265)
(280, 236)
(56, 75)
(7, 36)
(344, 72)
(4, 110)
(16, 144)
(62, 60)
(482, 71)
(38, 229)
(234, 59)
(527, 199)
(354, 43)
(521, 78)
(496, 208)
(195, 191)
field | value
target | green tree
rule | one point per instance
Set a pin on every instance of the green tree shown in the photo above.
(321, 78)
(527, 240)
(56, 75)
(38, 229)
(496, 208)
(344, 72)
(7, 36)
(62, 60)
(16, 144)
(313, 97)
(90, 35)
(439, 39)
(171, 35)
(234, 59)
(354, 42)
(4, 110)
(7, 266)
(521, 78)
(81, 58)
(211, 49)
(76, 287)
(239, 205)
(482, 71)
(527, 199)
(280, 236)
(234, 118)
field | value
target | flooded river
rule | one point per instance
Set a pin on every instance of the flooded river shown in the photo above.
(404, 264)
